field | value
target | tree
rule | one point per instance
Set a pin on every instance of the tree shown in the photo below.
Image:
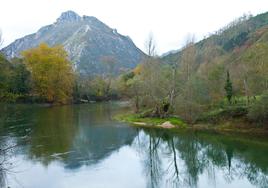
(109, 63)
(186, 103)
(52, 75)
(134, 89)
(128, 87)
(20, 81)
(251, 71)
(14, 79)
(154, 82)
(213, 75)
(228, 88)
(150, 46)
(258, 112)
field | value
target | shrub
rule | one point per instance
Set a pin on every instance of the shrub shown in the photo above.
(220, 114)
(258, 112)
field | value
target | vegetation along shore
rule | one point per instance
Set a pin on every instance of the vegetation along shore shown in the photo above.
(221, 80)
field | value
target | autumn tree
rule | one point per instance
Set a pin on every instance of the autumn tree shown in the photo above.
(51, 73)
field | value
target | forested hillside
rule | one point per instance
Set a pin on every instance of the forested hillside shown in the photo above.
(223, 76)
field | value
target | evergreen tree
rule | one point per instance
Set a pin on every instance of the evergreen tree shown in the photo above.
(228, 88)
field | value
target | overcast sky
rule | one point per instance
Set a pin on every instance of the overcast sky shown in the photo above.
(170, 21)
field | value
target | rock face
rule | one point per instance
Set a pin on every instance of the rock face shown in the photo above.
(86, 39)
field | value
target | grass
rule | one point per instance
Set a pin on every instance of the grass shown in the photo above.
(152, 121)
(237, 125)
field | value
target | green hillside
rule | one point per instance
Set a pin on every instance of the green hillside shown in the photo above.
(235, 37)
(223, 76)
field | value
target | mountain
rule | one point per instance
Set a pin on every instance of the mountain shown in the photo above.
(87, 40)
(231, 43)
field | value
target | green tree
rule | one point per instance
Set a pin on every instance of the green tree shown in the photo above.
(20, 82)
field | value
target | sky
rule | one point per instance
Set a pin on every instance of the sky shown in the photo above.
(170, 21)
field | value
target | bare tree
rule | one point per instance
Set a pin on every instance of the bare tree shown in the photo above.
(150, 46)
(188, 58)
(187, 67)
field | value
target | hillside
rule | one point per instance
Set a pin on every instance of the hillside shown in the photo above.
(223, 77)
(87, 40)
(230, 42)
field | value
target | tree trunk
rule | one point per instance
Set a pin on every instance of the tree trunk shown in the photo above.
(137, 108)
(246, 91)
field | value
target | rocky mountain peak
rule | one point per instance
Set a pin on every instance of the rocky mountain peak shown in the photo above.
(68, 16)
(87, 41)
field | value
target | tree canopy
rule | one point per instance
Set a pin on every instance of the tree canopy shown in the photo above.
(52, 75)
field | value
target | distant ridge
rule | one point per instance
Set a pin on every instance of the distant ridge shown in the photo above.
(87, 41)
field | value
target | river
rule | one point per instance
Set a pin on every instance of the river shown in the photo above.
(81, 146)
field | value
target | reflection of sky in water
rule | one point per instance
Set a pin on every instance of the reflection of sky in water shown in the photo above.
(124, 167)
(81, 146)
(121, 169)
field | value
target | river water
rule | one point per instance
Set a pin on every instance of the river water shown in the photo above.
(81, 146)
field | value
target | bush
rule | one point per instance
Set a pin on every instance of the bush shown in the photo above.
(258, 112)
(220, 114)
(9, 97)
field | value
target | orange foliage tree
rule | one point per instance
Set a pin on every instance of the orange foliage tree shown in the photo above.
(51, 73)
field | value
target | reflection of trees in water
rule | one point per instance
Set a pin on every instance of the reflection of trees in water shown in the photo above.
(153, 162)
(6, 161)
(77, 135)
(170, 160)
(2, 177)
(52, 134)
(149, 146)
(93, 144)
(10, 117)
(2, 169)
(178, 160)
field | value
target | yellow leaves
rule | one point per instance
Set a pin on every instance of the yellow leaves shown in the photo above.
(51, 72)
(137, 70)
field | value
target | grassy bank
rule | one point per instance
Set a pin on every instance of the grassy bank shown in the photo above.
(137, 120)
(229, 125)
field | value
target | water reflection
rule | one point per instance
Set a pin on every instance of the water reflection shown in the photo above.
(83, 139)
(183, 159)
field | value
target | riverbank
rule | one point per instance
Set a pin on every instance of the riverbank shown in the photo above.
(136, 120)
(238, 125)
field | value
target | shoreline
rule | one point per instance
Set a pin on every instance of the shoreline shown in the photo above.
(229, 127)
